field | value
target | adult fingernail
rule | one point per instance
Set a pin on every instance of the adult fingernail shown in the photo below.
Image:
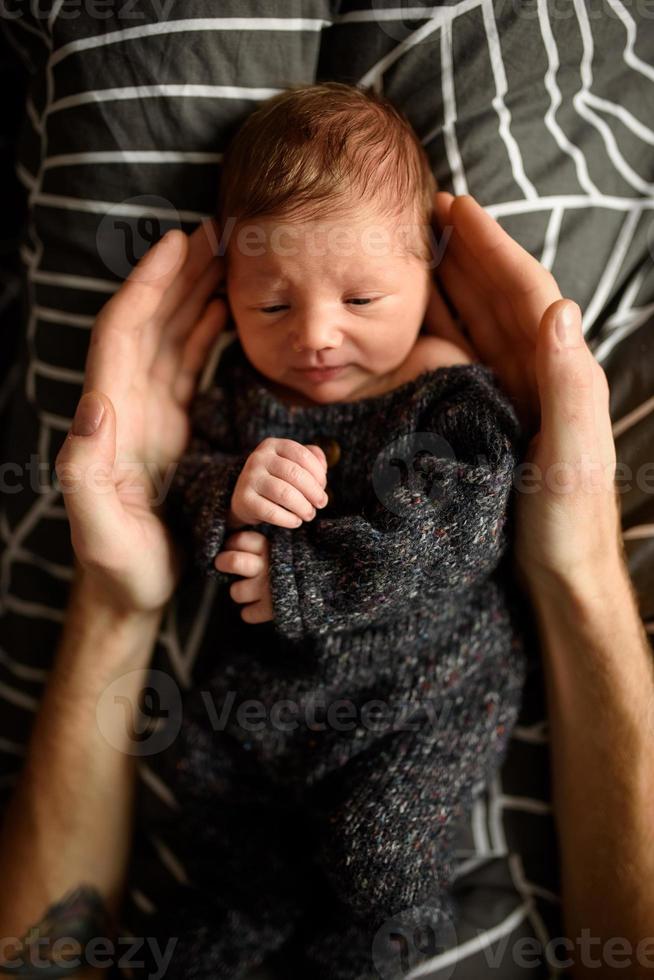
(568, 326)
(88, 415)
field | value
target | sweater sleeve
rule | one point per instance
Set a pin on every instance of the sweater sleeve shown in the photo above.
(414, 539)
(201, 489)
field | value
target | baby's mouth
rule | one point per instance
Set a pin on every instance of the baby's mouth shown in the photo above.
(319, 374)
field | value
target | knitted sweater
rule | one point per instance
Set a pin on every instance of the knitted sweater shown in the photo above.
(395, 654)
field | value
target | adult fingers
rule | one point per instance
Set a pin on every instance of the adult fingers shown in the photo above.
(452, 244)
(487, 335)
(464, 275)
(567, 376)
(142, 293)
(517, 275)
(196, 350)
(114, 356)
(85, 470)
(201, 256)
(441, 220)
(185, 314)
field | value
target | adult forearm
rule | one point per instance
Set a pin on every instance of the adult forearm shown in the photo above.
(69, 819)
(600, 692)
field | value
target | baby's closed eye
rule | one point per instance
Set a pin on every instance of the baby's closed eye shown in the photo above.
(356, 301)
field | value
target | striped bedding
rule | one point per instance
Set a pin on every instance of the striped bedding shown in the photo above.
(540, 110)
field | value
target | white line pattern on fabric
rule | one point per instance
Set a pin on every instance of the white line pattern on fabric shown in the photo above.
(472, 946)
(631, 418)
(131, 156)
(626, 320)
(613, 266)
(498, 103)
(552, 238)
(459, 181)
(105, 207)
(186, 91)
(556, 98)
(190, 25)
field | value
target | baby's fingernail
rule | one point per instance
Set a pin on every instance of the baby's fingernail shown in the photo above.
(297, 522)
(325, 500)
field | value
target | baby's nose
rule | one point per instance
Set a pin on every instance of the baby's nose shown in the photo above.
(315, 337)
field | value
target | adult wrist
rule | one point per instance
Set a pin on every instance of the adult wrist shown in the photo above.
(95, 594)
(101, 630)
(586, 609)
(581, 584)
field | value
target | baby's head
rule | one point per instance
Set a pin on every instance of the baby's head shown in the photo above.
(325, 198)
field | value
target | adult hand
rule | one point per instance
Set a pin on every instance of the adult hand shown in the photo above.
(567, 512)
(147, 347)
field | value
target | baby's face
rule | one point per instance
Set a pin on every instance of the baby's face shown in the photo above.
(326, 310)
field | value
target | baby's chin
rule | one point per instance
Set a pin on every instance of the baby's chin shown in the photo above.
(314, 393)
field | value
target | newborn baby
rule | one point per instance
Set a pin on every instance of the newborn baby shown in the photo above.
(355, 475)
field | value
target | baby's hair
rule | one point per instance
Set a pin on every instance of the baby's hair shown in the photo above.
(313, 146)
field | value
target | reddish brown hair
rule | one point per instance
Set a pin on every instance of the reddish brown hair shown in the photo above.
(314, 146)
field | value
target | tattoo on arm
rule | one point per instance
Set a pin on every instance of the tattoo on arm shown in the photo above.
(78, 917)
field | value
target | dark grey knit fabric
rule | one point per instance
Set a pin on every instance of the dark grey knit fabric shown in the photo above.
(381, 695)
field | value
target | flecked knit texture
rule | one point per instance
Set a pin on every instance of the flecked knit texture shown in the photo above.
(395, 609)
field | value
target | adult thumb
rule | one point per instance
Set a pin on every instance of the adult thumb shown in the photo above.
(565, 378)
(85, 471)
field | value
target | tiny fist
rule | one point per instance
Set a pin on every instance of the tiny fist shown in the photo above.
(319, 454)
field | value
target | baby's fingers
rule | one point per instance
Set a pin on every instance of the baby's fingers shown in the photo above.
(253, 541)
(240, 563)
(258, 612)
(301, 479)
(287, 499)
(314, 464)
(248, 589)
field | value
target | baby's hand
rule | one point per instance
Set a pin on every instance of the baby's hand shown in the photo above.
(247, 553)
(281, 483)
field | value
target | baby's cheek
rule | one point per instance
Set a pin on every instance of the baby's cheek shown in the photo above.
(391, 343)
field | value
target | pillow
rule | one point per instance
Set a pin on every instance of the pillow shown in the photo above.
(541, 116)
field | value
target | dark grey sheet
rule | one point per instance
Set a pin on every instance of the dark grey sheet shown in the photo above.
(540, 111)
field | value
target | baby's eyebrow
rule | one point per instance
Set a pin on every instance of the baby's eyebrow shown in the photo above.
(261, 279)
(271, 280)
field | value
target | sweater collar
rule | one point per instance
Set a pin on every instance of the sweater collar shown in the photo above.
(254, 399)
